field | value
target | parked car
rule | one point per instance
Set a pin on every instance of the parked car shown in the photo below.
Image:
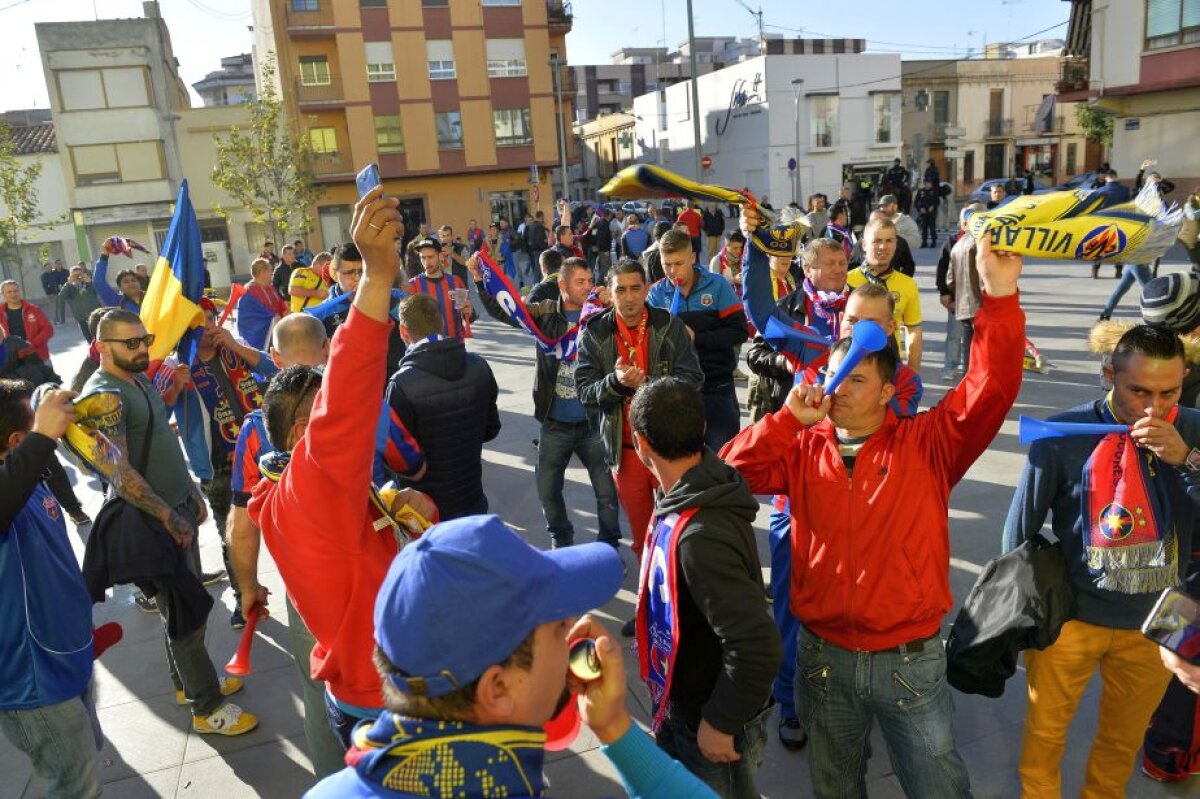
(982, 193)
(635, 207)
(1086, 180)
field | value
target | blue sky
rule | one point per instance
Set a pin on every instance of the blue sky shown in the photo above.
(205, 30)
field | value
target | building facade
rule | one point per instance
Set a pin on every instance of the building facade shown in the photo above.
(51, 236)
(121, 118)
(232, 84)
(835, 116)
(606, 146)
(992, 118)
(1140, 62)
(453, 99)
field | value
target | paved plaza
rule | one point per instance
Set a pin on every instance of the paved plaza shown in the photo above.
(151, 752)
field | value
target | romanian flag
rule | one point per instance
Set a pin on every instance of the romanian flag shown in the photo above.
(257, 308)
(171, 307)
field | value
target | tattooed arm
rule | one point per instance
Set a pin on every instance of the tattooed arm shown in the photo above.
(134, 489)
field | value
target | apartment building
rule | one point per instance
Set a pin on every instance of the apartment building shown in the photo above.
(992, 117)
(1140, 62)
(454, 100)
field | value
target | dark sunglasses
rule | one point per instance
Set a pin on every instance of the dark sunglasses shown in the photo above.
(132, 343)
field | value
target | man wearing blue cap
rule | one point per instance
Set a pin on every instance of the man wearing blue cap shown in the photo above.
(472, 628)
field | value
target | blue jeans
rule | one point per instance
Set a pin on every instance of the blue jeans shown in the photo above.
(325, 751)
(781, 592)
(342, 723)
(953, 357)
(1132, 272)
(730, 780)
(557, 442)
(722, 414)
(840, 693)
(62, 741)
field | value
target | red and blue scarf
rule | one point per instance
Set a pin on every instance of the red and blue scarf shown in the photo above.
(824, 309)
(227, 413)
(500, 288)
(1130, 543)
(657, 641)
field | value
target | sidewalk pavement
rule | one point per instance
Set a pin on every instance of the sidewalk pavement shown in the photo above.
(151, 751)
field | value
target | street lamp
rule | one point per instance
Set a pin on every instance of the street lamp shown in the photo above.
(562, 134)
(798, 84)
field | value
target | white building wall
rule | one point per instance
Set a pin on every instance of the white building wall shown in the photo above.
(1118, 29)
(749, 146)
(45, 243)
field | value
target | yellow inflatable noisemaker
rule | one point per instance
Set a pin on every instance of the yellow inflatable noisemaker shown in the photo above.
(1070, 225)
(95, 412)
(779, 236)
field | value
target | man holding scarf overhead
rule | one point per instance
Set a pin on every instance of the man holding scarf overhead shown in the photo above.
(565, 430)
(1123, 506)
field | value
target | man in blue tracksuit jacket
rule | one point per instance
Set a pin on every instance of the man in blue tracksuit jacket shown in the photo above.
(712, 312)
(46, 706)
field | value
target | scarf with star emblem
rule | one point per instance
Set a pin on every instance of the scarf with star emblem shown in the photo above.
(1130, 545)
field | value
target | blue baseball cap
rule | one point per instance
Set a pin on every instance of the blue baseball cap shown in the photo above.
(463, 596)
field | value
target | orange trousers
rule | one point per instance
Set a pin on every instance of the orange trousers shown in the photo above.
(1133, 680)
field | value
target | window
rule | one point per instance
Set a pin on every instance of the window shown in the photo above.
(324, 140)
(501, 2)
(969, 166)
(440, 53)
(449, 130)
(306, 5)
(114, 163)
(1072, 154)
(1172, 22)
(822, 114)
(435, 2)
(381, 66)
(887, 117)
(512, 126)
(505, 58)
(314, 70)
(389, 138)
(941, 108)
(118, 87)
(373, 3)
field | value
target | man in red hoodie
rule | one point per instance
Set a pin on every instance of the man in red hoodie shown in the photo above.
(25, 320)
(314, 505)
(869, 497)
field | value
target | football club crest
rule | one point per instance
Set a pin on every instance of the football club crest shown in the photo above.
(706, 300)
(1116, 522)
(1100, 243)
(51, 507)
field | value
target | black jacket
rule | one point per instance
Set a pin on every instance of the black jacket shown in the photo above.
(729, 647)
(446, 398)
(714, 223)
(1020, 601)
(545, 289)
(551, 321)
(671, 353)
(127, 546)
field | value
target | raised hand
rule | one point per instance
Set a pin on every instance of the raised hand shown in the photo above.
(998, 270)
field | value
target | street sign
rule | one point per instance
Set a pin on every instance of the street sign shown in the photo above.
(533, 174)
(706, 162)
(791, 165)
(953, 153)
(951, 132)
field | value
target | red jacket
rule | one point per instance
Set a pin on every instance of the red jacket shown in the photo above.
(693, 221)
(871, 553)
(38, 328)
(316, 520)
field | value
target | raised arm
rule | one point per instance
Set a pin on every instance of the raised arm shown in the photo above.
(100, 281)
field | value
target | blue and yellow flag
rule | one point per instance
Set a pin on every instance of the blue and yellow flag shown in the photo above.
(170, 309)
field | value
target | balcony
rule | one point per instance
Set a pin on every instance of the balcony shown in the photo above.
(309, 16)
(997, 128)
(1074, 76)
(1047, 126)
(559, 16)
(334, 164)
(317, 94)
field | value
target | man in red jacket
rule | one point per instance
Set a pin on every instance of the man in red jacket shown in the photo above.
(314, 510)
(868, 497)
(25, 320)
